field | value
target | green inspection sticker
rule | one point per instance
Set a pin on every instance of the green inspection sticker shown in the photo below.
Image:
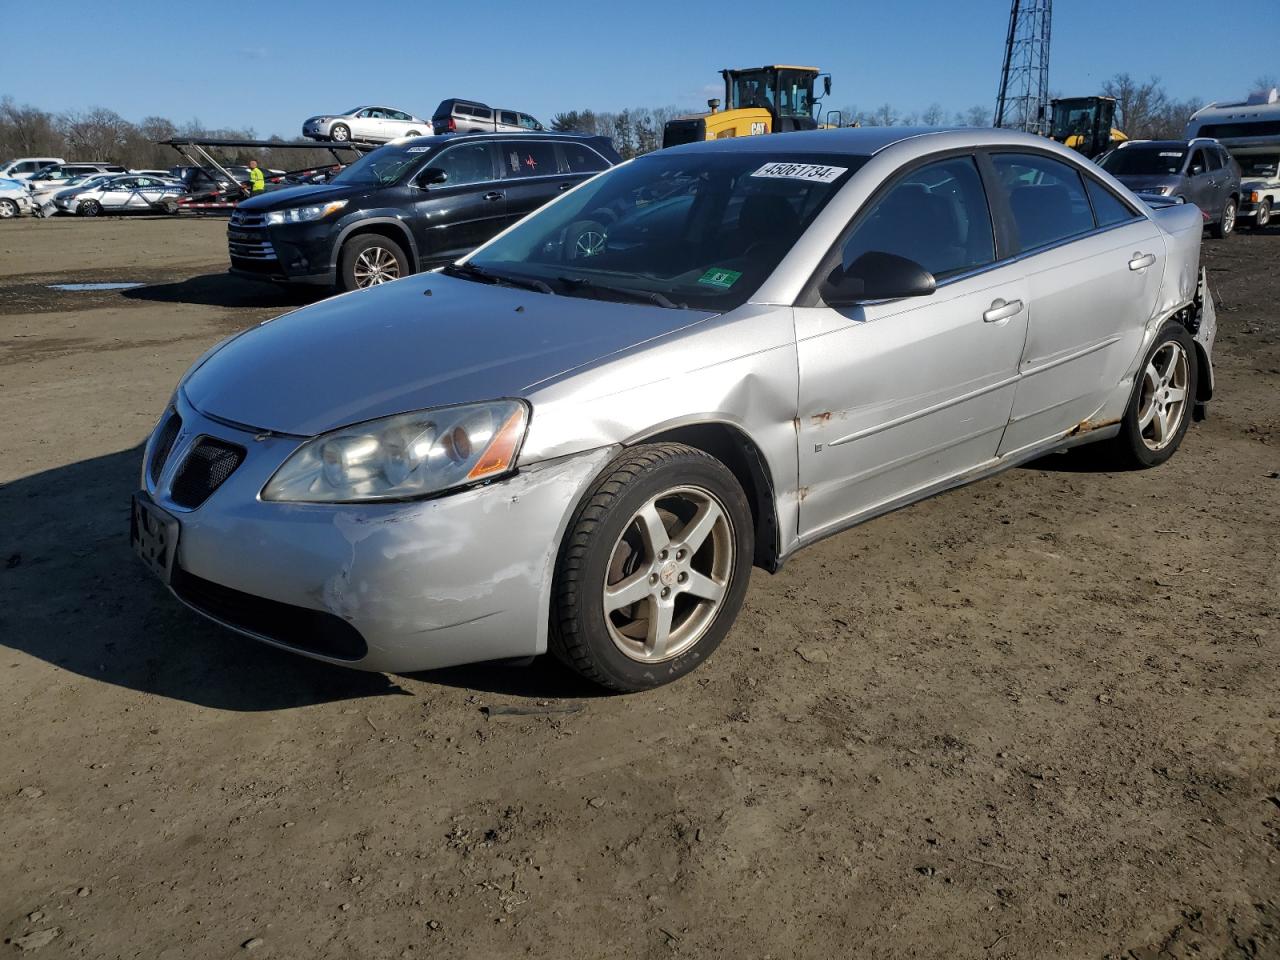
(724, 279)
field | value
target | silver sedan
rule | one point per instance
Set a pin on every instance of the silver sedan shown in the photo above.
(584, 447)
(376, 124)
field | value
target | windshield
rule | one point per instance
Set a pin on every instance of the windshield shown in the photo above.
(54, 174)
(698, 230)
(1145, 161)
(347, 113)
(383, 167)
(1259, 166)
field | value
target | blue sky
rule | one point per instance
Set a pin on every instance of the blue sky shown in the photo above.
(284, 61)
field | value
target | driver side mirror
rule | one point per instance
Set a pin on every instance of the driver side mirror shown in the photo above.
(876, 276)
(826, 86)
(1196, 170)
(432, 176)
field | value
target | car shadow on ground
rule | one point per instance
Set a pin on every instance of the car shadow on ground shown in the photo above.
(228, 290)
(543, 678)
(73, 594)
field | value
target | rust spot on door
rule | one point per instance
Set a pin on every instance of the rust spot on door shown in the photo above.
(819, 419)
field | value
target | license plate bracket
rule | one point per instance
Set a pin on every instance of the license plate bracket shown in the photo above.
(153, 534)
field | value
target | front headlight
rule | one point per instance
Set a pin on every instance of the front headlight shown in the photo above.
(1158, 191)
(303, 214)
(406, 456)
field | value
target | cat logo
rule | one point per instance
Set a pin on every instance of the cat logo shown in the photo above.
(758, 127)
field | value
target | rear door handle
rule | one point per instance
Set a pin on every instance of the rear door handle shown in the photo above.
(1142, 260)
(1002, 310)
(567, 186)
(493, 195)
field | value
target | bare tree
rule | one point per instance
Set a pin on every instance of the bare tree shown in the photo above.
(934, 116)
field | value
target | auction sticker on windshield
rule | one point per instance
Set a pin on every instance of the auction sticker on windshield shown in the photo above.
(817, 172)
(724, 279)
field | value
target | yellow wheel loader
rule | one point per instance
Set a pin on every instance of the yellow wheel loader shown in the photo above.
(757, 100)
(1085, 124)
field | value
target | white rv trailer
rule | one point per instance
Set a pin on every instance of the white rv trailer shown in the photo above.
(1242, 125)
(1250, 130)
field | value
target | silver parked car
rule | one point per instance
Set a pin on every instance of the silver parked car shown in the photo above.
(367, 124)
(120, 194)
(585, 446)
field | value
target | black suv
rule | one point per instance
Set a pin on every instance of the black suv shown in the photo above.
(408, 206)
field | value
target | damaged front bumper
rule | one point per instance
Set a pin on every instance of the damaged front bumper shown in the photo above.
(393, 587)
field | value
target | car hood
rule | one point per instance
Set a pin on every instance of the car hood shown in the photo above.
(1140, 182)
(1259, 183)
(304, 193)
(396, 348)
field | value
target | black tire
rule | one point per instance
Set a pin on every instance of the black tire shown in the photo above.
(1226, 224)
(169, 206)
(8, 210)
(89, 208)
(340, 133)
(349, 262)
(1129, 450)
(581, 633)
(584, 239)
(1262, 219)
(413, 133)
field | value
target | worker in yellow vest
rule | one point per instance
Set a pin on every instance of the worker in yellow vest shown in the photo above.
(257, 182)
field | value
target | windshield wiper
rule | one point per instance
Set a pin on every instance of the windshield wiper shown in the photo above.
(646, 296)
(472, 272)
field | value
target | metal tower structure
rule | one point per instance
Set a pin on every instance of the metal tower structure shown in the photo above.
(1023, 101)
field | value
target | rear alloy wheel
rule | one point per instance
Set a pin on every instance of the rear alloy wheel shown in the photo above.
(1263, 217)
(340, 133)
(89, 208)
(1164, 396)
(1226, 225)
(371, 260)
(413, 133)
(8, 209)
(653, 568)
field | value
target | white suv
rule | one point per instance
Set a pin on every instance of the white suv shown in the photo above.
(24, 167)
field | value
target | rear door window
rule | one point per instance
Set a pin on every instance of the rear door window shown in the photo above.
(509, 118)
(1108, 209)
(529, 158)
(1046, 198)
(579, 158)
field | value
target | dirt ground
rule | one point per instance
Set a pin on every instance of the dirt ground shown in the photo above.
(1038, 716)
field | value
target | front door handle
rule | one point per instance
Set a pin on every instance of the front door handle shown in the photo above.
(1002, 310)
(567, 186)
(493, 195)
(1141, 261)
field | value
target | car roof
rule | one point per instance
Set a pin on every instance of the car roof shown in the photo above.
(863, 141)
(442, 138)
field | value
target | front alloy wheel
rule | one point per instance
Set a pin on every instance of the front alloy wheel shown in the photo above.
(375, 265)
(1263, 217)
(653, 567)
(8, 209)
(668, 574)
